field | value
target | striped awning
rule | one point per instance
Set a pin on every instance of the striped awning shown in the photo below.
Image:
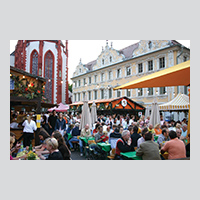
(180, 102)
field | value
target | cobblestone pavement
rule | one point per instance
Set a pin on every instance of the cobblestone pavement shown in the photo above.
(75, 155)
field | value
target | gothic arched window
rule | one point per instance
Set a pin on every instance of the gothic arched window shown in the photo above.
(34, 63)
(48, 61)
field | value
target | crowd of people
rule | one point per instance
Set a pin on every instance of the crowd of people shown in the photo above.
(60, 132)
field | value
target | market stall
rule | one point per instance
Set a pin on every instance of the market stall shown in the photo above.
(120, 105)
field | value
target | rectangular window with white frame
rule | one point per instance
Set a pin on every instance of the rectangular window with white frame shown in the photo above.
(102, 93)
(110, 93)
(110, 75)
(90, 80)
(95, 94)
(119, 73)
(83, 95)
(95, 78)
(128, 71)
(75, 84)
(150, 91)
(162, 62)
(118, 93)
(79, 97)
(162, 90)
(128, 92)
(84, 81)
(102, 77)
(140, 68)
(150, 65)
(89, 95)
(79, 83)
(140, 92)
(74, 97)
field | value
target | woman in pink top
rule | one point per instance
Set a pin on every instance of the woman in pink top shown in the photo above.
(175, 147)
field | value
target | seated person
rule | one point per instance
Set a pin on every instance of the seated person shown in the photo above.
(86, 132)
(43, 135)
(142, 139)
(15, 146)
(124, 144)
(162, 138)
(149, 150)
(62, 147)
(99, 136)
(52, 147)
(12, 140)
(114, 137)
(75, 133)
(109, 130)
(96, 129)
(68, 131)
(104, 136)
(14, 124)
(175, 147)
(157, 129)
(151, 129)
(135, 136)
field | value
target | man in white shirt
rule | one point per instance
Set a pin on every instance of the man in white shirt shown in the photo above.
(28, 131)
(131, 120)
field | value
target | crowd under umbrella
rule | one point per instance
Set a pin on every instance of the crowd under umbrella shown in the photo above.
(93, 113)
(147, 112)
(85, 115)
(155, 114)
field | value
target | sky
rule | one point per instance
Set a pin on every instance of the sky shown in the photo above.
(89, 50)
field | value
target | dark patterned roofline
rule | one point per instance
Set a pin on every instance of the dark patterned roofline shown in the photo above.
(127, 52)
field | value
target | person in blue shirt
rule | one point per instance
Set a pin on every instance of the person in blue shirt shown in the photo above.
(60, 124)
(75, 132)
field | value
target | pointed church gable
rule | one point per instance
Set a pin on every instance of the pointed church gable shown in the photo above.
(147, 46)
(80, 69)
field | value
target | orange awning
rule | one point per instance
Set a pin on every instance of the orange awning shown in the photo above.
(172, 76)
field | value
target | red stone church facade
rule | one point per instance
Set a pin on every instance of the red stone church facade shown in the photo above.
(48, 59)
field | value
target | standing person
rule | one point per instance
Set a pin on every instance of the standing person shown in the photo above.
(62, 147)
(44, 124)
(175, 147)
(149, 150)
(52, 122)
(28, 131)
(52, 147)
(60, 124)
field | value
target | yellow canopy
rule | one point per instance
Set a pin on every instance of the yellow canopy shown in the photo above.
(180, 102)
(172, 76)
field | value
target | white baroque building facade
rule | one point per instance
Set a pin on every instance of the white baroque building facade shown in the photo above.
(112, 68)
